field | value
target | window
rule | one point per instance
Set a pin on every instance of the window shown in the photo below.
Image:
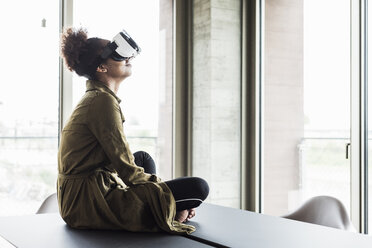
(28, 104)
(307, 103)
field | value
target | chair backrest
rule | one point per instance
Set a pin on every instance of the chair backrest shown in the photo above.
(50, 205)
(323, 210)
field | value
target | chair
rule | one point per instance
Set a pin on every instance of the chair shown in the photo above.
(50, 205)
(323, 210)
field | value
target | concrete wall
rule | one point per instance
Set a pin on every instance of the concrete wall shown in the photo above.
(216, 98)
(164, 141)
(283, 103)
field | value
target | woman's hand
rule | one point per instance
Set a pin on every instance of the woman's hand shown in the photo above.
(185, 215)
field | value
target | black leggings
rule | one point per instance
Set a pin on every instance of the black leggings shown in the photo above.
(189, 192)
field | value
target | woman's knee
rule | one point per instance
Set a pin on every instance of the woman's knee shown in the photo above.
(201, 186)
(143, 159)
(141, 155)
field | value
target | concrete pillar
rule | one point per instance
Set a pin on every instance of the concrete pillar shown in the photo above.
(216, 98)
(164, 141)
(283, 103)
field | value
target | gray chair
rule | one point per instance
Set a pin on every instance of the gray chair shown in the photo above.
(50, 205)
(325, 211)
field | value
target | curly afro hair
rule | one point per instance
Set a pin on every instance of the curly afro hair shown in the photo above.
(81, 54)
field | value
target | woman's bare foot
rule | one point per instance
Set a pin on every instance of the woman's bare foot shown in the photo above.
(181, 216)
(185, 215)
(191, 213)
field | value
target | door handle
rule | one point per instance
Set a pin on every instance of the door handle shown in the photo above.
(347, 150)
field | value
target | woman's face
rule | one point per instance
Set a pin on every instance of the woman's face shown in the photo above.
(118, 69)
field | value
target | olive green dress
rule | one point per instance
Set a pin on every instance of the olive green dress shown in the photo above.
(99, 185)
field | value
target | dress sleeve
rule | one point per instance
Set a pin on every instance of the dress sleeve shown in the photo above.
(105, 122)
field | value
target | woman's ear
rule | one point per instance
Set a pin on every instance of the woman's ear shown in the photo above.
(101, 68)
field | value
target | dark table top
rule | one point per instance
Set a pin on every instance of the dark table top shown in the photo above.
(237, 228)
(216, 226)
(49, 230)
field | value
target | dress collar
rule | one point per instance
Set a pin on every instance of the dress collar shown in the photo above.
(97, 85)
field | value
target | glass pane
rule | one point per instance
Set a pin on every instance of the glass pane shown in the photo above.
(147, 94)
(28, 104)
(306, 102)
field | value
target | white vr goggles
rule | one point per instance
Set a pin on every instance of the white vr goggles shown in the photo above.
(121, 48)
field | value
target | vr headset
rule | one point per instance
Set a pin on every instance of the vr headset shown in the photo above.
(121, 48)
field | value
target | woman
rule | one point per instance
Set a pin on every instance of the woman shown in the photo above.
(101, 184)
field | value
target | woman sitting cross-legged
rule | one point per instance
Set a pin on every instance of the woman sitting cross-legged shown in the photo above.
(101, 184)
